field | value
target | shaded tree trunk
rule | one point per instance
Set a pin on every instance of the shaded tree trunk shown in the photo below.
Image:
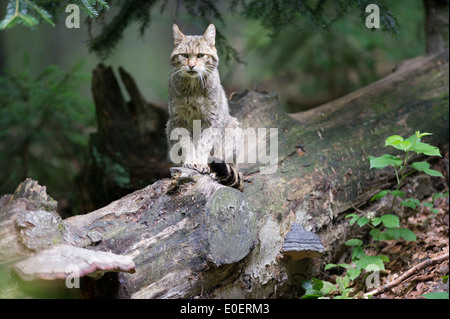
(129, 150)
(436, 25)
(191, 237)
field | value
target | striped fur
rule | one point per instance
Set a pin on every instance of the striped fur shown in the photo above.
(196, 93)
(227, 174)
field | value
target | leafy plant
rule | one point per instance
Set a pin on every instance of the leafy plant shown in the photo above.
(385, 227)
(316, 288)
(415, 203)
(321, 289)
(411, 146)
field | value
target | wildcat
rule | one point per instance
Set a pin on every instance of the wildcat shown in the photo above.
(196, 94)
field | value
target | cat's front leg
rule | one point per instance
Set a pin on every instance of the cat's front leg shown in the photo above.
(194, 160)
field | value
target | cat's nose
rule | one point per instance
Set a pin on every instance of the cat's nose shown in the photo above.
(191, 66)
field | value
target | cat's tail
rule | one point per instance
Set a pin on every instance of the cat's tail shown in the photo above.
(227, 174)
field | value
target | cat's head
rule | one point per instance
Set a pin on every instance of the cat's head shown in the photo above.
(194, 55)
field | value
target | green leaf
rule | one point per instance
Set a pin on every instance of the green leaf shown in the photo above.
(393, 140)
(42, 12)
(390, 221)
(397, 193)
(413, 139)
(376, 234)
(28, 20)
(353, 242)
(420, 166)
(370, 262)
(422, 134)
(398, 142)
(316, 283)
(343, 282)
(439, 195)
(344, 265)
(436, 295)
(376, 221)
(407, 234)
(384, 192)
(327, 288)
(426, 204)
(362, 221)
(396, 233)
(9, 21)
(411, 203)
(380, 195)
(433, 172)
(384, 160)
(87, 7)
(354, 218)
(404, 146)
(329, 266)
(390, 234)
(426, 149)
(434, 211)
(353, 273)
(358, 253)
(312, 288)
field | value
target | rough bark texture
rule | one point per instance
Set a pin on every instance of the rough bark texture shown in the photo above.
(191, 237)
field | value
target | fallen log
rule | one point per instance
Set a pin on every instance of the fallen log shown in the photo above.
(189, 236)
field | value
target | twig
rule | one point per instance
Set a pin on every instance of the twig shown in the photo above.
(363, 212)
(400, 279)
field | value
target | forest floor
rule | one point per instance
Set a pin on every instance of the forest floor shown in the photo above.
(432, 231)
(416, 258)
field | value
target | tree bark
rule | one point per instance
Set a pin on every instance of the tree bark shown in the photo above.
(191, 237)
(436, 25)
(129, 150)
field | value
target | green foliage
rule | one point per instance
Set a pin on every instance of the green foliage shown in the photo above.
(44, 127)
(275, 16)
(17, 12)
(415, 203)
(316, 288)
(30, 13)
(411, 145)
(323, 64)
(319, 15)
(387, 226)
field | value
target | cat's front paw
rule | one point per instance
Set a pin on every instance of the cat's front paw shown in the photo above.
(201, 168)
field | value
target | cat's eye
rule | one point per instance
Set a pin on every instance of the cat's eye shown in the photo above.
(200, 55)
(185, 55)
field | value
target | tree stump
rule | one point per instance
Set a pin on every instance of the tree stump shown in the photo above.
(129, 151)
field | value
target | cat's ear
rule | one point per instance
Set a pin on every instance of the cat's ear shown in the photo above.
(178, 36)
(210, 35)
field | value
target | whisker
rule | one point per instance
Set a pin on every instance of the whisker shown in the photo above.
(178, 71)
(209, 70)
(201, 80)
